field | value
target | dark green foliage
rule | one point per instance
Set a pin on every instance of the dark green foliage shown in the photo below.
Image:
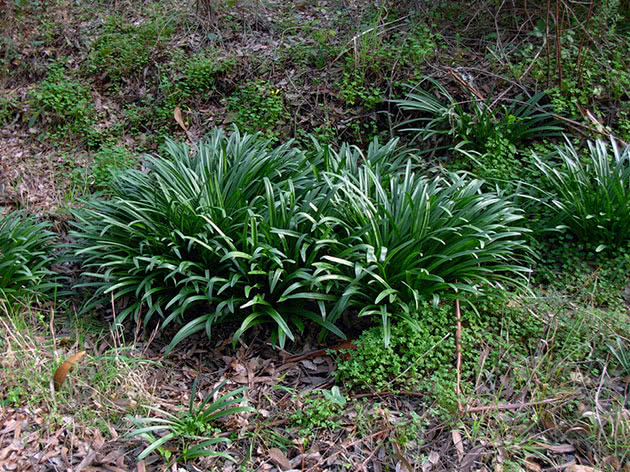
(319, 411)
(234, 232)
(9, 109)
(575, 267)
(247, 233)
(622, 353)
(476, 127)
(63, 100)
(258, 107)
(355, 92)
(25, 257)
(107, 162)
(591, 195)
(201, 71)
(419, 239)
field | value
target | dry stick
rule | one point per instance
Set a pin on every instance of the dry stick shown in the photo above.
(515, 406)
(367, 459)
(597, 407)
(466, 85)
(577, 126)
(382, 394)
(547, 42)
(458, 350)
(558, 43)
(578, 66)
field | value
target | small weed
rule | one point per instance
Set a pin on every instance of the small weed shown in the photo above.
(319, 411)
(10, 109)
(25, 257)
(575, 268)
(63, 101)
(421, 354)
(259, 106)
(591, 196)
(622, 354)
(355, 92)
(107, 162)
(197, 423)
(123, 49)
(200, 72)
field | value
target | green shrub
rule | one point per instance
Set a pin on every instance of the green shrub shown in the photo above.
(25, 257)
(107, 162)
(355, 92)
(123, 49)
(319, 411)
(591, 196)
(200, 72)
(258, 107)
(255, 235)
(64, 101)
(233, 233)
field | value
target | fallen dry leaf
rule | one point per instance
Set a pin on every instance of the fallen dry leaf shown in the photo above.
(459, 445)
(434, 457)
(177, 114)
(580, 468)
(531, 465)
(62, 370)
(278, 458)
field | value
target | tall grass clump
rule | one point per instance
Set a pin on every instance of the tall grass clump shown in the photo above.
(475, 124)
(246, 233)
(232, 233)
(416, 238)
(25, 257)
(590, 195)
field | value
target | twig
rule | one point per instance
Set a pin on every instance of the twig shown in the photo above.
(547, 43)
(458, 350)
(382, 394)
(597, 407)
(559, 44)
(578, 68)
(576, 125)
(514, 406)
(466, 85)
(345, 448)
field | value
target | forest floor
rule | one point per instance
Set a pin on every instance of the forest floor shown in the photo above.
(91, 86)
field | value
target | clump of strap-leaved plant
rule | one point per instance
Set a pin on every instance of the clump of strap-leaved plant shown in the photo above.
(244, 232)
(26, 254)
